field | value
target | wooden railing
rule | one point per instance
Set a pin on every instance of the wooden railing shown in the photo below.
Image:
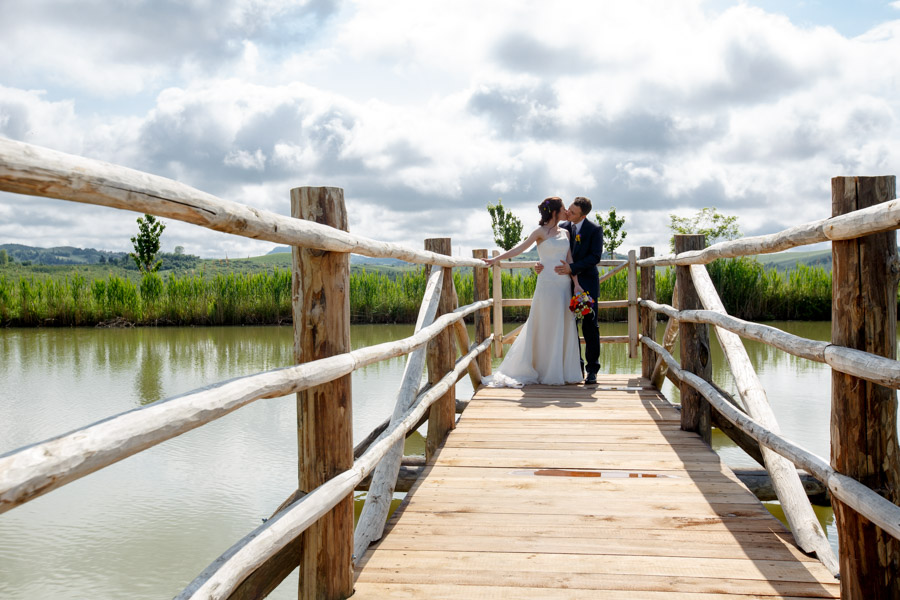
(631, 303)
(314, 528)
(864, 474)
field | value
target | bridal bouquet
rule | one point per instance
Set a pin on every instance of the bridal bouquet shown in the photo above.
(582, 305)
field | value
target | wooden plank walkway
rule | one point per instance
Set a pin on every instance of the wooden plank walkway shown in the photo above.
(506, 510)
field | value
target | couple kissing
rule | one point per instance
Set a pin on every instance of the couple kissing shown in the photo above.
(547, 350)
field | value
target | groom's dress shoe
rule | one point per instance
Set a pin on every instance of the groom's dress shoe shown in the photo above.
(591, 379)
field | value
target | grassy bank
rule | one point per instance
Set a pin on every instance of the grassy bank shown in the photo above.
(748, 290)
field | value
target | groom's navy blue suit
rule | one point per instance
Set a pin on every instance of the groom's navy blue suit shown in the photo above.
(586, 253)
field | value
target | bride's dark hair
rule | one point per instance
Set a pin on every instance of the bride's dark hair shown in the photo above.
(548, 208)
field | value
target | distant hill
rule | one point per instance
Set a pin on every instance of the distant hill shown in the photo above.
(60, 255)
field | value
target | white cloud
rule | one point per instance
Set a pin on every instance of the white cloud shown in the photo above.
(424, 115)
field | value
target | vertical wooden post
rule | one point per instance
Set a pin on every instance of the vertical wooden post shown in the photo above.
(440, 358)
(482, 317)
(632, 306)
(321, 307)
(648, 317)
(498, 309)
(864, 414)
(695, 354)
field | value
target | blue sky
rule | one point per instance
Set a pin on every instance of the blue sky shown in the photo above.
(425, 112)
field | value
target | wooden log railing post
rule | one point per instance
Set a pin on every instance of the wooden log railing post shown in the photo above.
(320, 302)
(695, 354)
(321, 307)
(799, 513)
(632, 306)
(864, 414)
(440, 359)
(648, 317)
(482, 278)
(498, 309)
(668, 343)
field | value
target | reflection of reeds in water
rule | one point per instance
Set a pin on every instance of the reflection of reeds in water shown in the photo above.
(748, 290)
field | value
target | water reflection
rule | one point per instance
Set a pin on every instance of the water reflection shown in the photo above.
(146, 526)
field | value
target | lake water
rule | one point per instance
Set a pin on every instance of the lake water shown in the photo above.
(145, 527)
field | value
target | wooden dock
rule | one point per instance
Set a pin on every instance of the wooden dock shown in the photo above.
(583, 492)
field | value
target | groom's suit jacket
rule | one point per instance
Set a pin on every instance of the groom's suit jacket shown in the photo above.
(586, 253)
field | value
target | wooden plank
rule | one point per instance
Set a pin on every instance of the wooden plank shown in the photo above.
(664, 516)
(432, 591)
(675, 566)
(568, 580)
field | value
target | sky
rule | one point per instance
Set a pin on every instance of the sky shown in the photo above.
(426, 111)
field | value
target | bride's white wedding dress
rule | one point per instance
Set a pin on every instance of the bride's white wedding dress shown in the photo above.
(547, 349)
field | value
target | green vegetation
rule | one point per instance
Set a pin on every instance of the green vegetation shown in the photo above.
(710, 222)
(146, 244)
(612, 227)
(507, 227)
(749, 290)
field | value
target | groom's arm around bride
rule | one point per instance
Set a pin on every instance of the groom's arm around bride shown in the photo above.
(586, 240)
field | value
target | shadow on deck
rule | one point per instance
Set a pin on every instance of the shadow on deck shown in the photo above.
(583, 492)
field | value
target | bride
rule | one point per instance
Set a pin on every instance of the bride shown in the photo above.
(547, 350)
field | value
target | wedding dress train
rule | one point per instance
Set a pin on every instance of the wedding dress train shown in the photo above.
(547, 350)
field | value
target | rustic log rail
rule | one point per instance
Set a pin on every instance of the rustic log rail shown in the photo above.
(257, 563)
(864, 208)
(866, 215)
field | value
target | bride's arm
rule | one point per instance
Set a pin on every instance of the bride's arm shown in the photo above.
(535, 236)
(578, 288)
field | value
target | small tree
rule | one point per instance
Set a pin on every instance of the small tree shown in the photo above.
(507, 227)
(710, 222)
(613, 234)
(4, 258)
(146, 244)
(179, 250)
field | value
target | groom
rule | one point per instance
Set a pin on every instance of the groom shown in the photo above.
(586, 241)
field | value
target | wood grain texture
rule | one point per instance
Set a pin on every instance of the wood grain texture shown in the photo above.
(378, 501)
(633, 325)
(863, 500)
(863, 414)
(647, 316)
(221, 578)
(694, 339)
(482, 283)
(668, 342)
(574, 491)
(321, 307)
(440, 357)
(802, 520)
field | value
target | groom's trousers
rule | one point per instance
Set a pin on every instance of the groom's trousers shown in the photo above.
(591, 333)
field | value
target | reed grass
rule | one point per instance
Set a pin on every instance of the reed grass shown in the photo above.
(748, 290)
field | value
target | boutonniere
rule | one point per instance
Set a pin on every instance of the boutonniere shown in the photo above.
(577, 238)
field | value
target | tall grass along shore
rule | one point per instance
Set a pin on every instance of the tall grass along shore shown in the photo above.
(748, 290)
